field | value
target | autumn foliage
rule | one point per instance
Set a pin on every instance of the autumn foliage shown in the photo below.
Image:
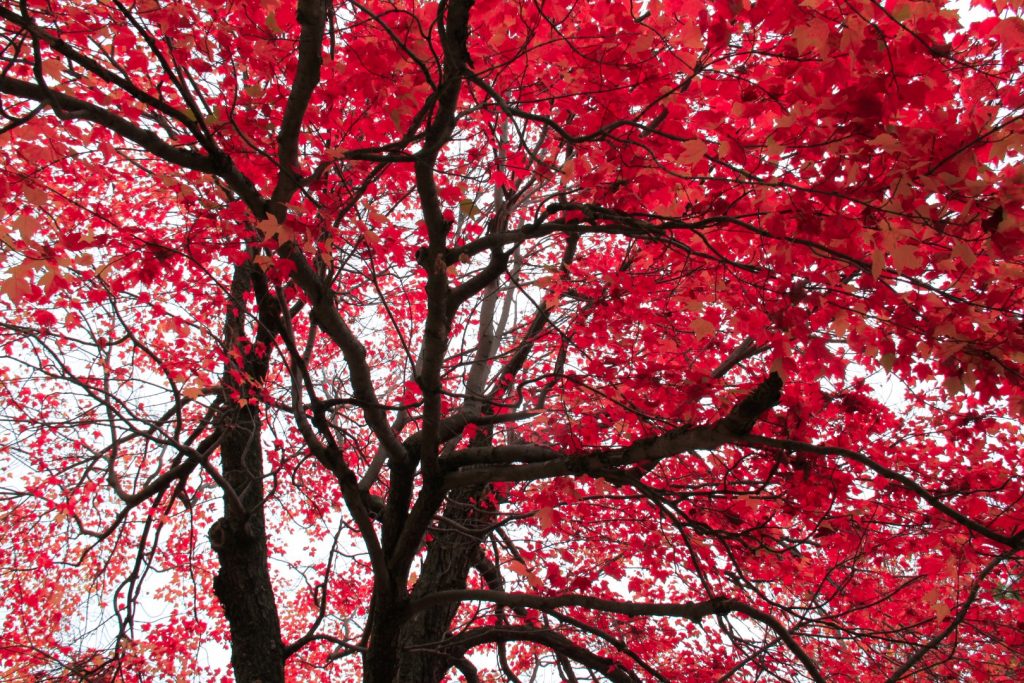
(404, 341)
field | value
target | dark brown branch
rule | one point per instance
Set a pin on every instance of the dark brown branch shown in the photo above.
(313, 19)
(891, 474)
(325, 313)
(468, 670)
(453, 25)
(401, 539)
(453, 425)
(74, 108)
(746, 349)
(550, 639)
(692, 611)
(61, 47)
(742, 417)
(953, 624)
(492, 464)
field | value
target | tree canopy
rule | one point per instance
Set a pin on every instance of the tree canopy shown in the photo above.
(511, 340)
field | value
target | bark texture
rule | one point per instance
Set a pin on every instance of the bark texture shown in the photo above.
(243, 582)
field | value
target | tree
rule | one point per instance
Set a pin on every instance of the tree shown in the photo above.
(408, 341)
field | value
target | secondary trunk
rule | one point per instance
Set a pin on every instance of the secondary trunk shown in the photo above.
(455, 544)
(243, 583)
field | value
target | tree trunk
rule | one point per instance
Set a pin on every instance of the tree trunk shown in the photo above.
(243, 583)
(456, 542)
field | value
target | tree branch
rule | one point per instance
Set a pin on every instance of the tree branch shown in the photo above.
(312, 17)
(692, 611)
(891, 474)
(493, 464)
(74, 108)
(550, 639)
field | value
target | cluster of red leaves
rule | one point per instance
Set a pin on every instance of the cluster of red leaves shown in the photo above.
(698, 195)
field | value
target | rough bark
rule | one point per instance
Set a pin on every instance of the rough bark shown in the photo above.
(455, 544)
(239, 538)
(243, 582)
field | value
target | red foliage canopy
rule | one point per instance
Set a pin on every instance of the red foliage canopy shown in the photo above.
(411, 341)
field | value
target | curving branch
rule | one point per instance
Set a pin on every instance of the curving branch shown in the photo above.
(907, 667)
(530, 462)
(556, 642)
(70, 107)
(1014, 541)
(692, 611)
(312, 16)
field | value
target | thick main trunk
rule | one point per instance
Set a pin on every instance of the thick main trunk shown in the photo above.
(380, 664)
(456, 542)
(243, 583)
